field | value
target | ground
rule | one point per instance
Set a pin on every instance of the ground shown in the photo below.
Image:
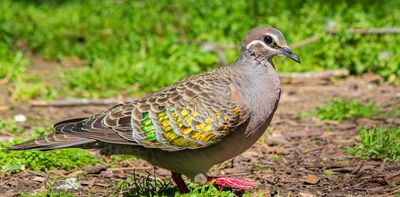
(119, 49)
(298, 154)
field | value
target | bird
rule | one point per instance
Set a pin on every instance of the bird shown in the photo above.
(191, 125)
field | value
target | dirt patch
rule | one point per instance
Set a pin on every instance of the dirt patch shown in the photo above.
(297, 155)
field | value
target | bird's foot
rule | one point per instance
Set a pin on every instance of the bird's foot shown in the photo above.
(232, 182)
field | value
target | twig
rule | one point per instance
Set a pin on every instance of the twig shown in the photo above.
(305, 42)
(130, 169)
(384, 30)
(315, 75)
(312, 150)
(375, 189)
(75, 102)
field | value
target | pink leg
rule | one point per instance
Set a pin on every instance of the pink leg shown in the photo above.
(232, 182)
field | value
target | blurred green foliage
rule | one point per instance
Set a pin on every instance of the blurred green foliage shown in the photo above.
(11, 63)
(345, 109)
(378, 143)
(140, 46)
(27, 87)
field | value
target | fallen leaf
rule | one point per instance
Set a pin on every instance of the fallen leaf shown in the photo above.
(76, 173)
(311, 179)
(39, 179)
(60, 172)
(306, 194)
(277, 140)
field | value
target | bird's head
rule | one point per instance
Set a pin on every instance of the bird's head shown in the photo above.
(265, 43)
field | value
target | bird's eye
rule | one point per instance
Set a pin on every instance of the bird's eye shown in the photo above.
(269, 40)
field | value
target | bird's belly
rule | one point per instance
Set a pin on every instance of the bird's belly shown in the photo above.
(194, 161)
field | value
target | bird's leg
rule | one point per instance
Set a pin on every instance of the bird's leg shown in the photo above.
(232, 182)
(180, 183)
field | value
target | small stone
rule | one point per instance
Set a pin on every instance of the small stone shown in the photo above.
(19, 118)
(69, 184)
(200, 179)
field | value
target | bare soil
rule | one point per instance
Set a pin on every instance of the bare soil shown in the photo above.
(298, 155)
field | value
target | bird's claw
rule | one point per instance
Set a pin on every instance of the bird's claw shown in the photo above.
(234, 183)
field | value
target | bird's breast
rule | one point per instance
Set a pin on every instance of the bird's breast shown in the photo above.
(262, 93)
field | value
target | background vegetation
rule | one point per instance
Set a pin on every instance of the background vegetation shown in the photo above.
(73, 48)
(136, 47)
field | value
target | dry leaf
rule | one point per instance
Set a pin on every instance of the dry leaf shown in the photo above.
(39, 179)
(305, 194)
(311, 179)
(76, 173)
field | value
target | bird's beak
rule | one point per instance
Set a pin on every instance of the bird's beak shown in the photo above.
(288, 52)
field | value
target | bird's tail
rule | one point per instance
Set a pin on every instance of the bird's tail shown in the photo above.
(52, 141)
(57, 139)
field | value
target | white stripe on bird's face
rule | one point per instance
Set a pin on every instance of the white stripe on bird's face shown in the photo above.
(257, 43)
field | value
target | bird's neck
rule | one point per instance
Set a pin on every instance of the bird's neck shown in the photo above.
(261, 86)
(258, 58)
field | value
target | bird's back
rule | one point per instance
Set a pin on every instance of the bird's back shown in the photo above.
(194, 113)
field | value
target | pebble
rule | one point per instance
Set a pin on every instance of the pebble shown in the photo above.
(69, 184)
(19, 118)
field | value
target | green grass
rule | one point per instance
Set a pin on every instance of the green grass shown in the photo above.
(146, 186)
(339, 110)
(8, 126)
(15, 161)
(208, 191)
(378, 143)
(134, 47)
(12, 63)
(32, 87)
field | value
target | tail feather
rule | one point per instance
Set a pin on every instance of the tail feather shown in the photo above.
(81, 132)
(52, 141)
(57, 139)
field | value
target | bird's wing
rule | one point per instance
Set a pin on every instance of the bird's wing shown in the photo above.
(195, 113)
